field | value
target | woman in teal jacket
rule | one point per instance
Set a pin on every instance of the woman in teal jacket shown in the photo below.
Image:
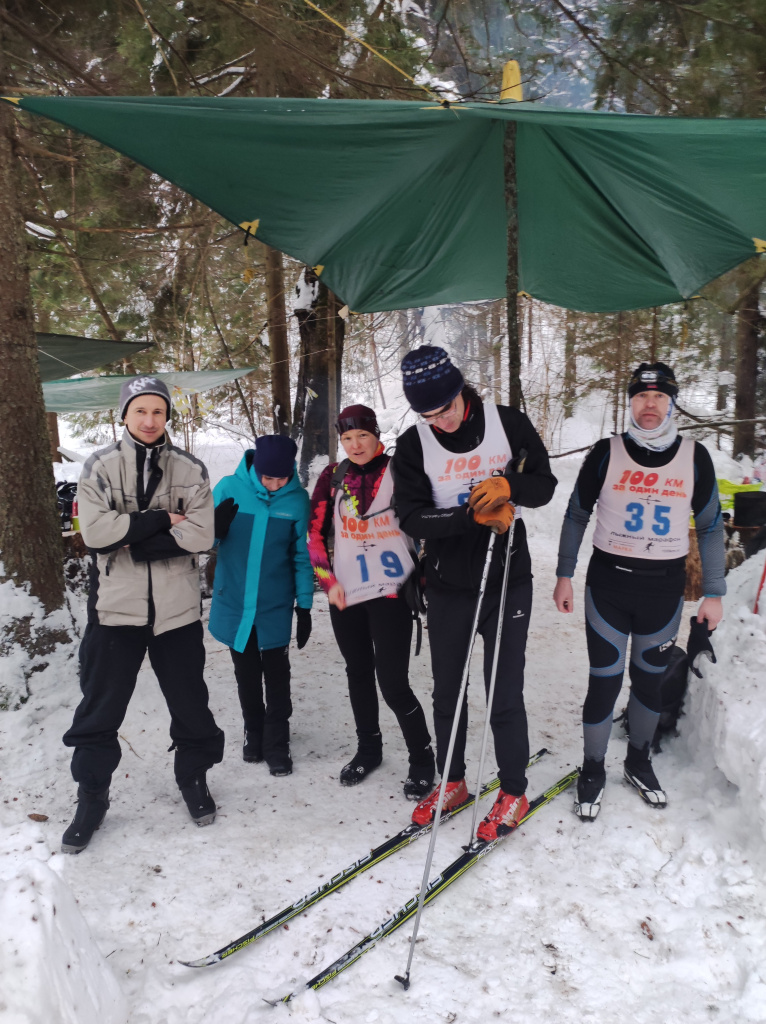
(263, 569)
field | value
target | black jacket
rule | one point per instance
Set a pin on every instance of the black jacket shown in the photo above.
(456, 546)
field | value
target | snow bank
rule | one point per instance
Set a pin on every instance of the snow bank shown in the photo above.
(27, 637)
(726, 712)
(52, 968)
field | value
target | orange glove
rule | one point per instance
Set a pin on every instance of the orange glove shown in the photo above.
(490, 494)
(499, 519)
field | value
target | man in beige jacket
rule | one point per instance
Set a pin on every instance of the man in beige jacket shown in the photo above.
(146, 511)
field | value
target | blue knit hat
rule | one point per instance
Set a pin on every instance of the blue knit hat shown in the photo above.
(430, 378)
(274, 455)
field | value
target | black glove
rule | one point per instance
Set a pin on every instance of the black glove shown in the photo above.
(224, 516)
(699, 645)
(303, 629)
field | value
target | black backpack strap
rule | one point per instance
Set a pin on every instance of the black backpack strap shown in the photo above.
(337, 478)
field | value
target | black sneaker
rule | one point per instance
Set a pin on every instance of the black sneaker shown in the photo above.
(420, 780)
(590, 789)
(91, 811)
(199, 801)
(640, 774)
(252, 748)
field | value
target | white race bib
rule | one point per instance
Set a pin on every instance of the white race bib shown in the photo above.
(644, 512)
(452, 476)
(373, 557)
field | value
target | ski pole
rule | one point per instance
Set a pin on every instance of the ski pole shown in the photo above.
(405, 979)
(493, 676)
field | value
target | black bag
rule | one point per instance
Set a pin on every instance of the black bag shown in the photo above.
(673, 687)
(66, 493)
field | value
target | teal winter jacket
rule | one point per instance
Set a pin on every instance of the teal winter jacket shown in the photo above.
(263, 566)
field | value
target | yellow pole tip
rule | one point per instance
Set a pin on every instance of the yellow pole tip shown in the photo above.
(511, 88)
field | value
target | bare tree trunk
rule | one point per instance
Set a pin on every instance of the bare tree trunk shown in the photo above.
(497, 351)
(321, 329)
(747, 372)
(278, 347)
(30, 533)
(570, 366)
(655, 335)
(512, 273)
(724, 364)
(376, 363)
(403, 330)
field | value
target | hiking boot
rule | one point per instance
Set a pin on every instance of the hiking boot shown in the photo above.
(90, 813)
(252, 748)
(420, 780)
(198, 799)
(455, 794)
(590, 789)
(368, 757)
(640, 774)
(280, 764)
(506, 813)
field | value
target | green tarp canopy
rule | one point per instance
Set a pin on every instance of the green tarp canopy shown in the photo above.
(402, 203)
(61, 355)
(92, 394)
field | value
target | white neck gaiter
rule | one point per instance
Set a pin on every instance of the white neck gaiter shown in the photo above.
(661, 437)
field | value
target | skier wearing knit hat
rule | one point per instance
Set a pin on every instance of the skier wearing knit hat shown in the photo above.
(262, 572)
(361, 560)
(645, 484)
(464, 470)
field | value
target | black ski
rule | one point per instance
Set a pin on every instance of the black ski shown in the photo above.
(393, 845)
(473, 853)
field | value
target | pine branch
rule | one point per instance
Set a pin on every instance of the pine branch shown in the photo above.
(52, 51)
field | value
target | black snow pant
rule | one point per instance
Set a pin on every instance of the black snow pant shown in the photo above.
(253, 670)
(374, 638)
(110, 660)
(651, 617)
(450, 617)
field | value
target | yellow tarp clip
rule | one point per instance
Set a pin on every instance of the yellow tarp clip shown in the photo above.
(11, 99)
(249, 227)
(760, 245)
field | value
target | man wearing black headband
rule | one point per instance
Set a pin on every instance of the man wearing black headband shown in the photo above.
(645, 483)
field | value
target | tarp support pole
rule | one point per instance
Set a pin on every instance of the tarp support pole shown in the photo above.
(512, 269)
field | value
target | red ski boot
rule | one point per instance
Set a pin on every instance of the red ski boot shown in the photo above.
(504, 817)
(455, 794)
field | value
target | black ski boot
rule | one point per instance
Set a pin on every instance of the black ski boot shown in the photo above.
(198, 799)
(590, 789)
(640, 774)
(91, 811)
(367, 758)
(252, 748)
(420, 780)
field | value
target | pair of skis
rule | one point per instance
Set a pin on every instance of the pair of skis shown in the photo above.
(473, 853)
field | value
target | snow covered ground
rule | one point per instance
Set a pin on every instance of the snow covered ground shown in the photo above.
(641, 916)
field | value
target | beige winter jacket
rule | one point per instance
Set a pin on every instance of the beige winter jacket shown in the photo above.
(141, 565)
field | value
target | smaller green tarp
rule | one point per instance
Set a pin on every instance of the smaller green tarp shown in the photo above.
(64, 355)
(94, 394)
